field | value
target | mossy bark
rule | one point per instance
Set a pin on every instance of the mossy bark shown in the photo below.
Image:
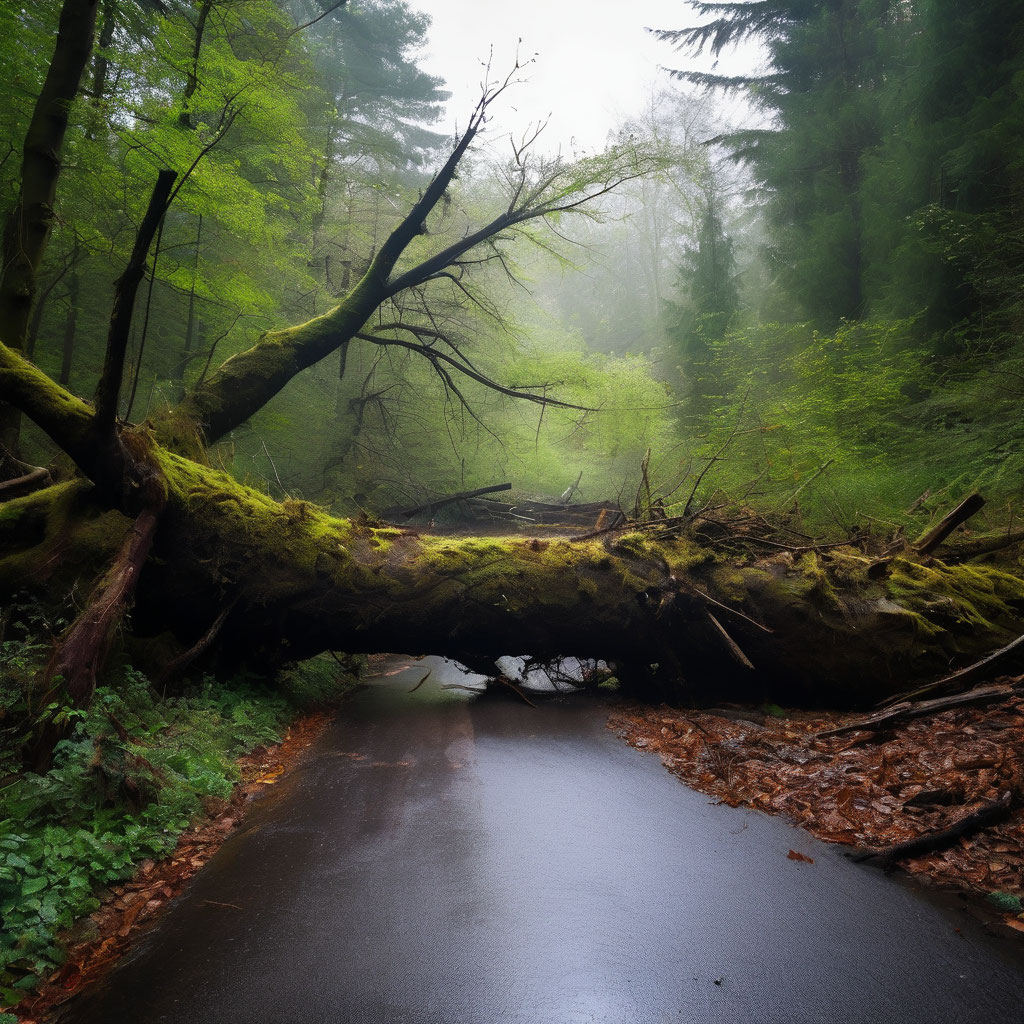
(31, 217)
(303, 582)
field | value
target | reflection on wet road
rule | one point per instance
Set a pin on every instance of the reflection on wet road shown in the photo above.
(448, 859)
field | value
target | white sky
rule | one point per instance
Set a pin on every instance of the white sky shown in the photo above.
(594, 66)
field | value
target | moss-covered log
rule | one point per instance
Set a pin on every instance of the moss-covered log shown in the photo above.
(819, 628)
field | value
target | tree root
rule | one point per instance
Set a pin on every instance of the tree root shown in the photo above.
(37, 478)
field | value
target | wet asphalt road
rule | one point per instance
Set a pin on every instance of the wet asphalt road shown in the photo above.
(447, 860)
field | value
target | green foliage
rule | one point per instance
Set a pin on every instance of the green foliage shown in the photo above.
(1006, 902)
(26, 640)
(870, 403)
(107, 802)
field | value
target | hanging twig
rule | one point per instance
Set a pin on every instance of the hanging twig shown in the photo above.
(274, 468)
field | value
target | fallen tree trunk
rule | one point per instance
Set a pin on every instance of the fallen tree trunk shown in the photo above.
(816, 629)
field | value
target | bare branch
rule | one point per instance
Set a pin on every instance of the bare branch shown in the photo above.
(109, 387)
(434, 354)
(319, 17)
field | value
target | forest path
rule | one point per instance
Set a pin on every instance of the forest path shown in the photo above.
(446, 859)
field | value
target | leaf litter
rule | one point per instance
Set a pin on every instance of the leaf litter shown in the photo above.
(863, 789)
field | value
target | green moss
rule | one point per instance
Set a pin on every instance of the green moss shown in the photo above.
(809, 580)
(56, 535)
(977, 595)
(634, 545)
(730, 583)
(382, 538)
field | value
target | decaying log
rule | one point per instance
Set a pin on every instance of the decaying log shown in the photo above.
(991, 813)
(985, 546)
(543, 513)
(907, 711)
(931, 539)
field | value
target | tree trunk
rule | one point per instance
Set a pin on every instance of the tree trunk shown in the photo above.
(30, 220)
(190, 322)
(670, 614)
(70, 325)
(192, 75)
(101, 63)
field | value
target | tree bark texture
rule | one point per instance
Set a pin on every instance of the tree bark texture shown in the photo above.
(30, 220)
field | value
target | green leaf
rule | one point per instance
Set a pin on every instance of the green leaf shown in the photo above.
(1006, 902)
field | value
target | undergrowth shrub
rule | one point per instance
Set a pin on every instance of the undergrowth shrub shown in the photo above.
(131, 777)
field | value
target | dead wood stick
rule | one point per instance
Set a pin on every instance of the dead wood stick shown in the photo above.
(433, 506)
(186, 658)
(931, 539)
(990, 813)
(644, 484)
(733, 647)
(908, 711)
(515, 689)
(38, 478)
(421, 682)
(985, 546)
(961, 673)
(732, 611)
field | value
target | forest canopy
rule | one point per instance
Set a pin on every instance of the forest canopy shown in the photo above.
(843, 276)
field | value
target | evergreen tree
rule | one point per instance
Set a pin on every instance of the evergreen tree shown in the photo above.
(698, 322)
(821, 94)
(945, 186)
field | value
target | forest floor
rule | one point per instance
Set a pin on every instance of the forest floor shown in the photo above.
(128, 910)
(866, 789)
